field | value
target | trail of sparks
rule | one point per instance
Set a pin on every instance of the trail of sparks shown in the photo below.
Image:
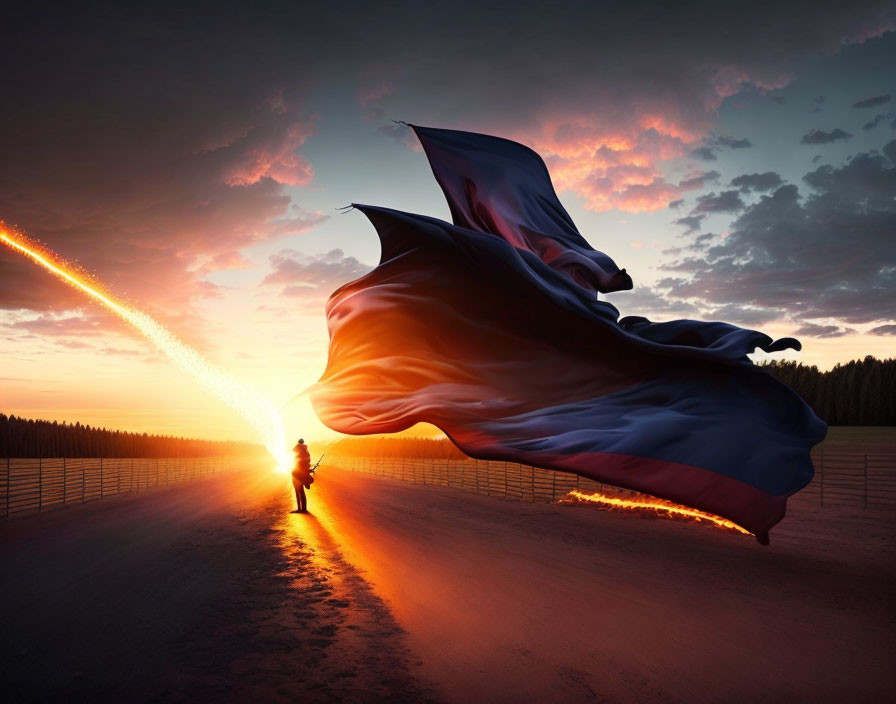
(647, 503)
(259, 412)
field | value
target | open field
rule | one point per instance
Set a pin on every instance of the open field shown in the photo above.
(211, 590)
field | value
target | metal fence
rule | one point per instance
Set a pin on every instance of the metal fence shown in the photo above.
(860, 480)
(866, 480)
(34, 485)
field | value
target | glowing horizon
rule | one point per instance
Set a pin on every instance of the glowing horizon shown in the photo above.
(260, 413)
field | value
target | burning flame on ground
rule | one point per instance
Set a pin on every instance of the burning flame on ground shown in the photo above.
(259, 412)
(659, 506)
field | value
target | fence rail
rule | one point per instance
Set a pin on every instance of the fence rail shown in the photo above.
(841, 478)
(33, 485)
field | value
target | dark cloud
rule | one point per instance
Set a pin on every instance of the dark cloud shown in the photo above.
(142, 157)
(701, 241)
(828, 255)
(813, 330)
(715, 143)
(691, 222)
(822, 137)
(816, 158)
(690, 55)
(883, 330)
(889, 150)
(724, 202)
(147, 139)
(865, 181)
(745, 315)
(874, 102)
(779, 99)
(676, 203)
(757, 182)
(704, 153)
(698, 180)
(730, 142)
(880, 117)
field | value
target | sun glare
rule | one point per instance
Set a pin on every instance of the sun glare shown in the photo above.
(261, 415)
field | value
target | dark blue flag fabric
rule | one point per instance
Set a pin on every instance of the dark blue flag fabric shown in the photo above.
(500, 187)
(493, 334)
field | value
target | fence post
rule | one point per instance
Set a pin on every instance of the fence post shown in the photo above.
(101, 477)
(553, 485)
(821, 472)
(532, 480)
(8, 486)
(64, 483)
(866, 481)
(40, 485)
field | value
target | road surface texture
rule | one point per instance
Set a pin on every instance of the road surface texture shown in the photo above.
(398, 592)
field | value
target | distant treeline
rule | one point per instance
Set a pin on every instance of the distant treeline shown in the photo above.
(412, 448)
(20, 437)
(861, 392)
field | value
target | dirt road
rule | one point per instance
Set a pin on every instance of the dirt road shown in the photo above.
(397, 592)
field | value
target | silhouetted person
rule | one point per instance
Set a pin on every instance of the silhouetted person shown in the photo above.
(301, 475)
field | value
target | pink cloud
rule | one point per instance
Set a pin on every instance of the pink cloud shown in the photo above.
(374, 93)
(608, 96)
(269, 151)
(152, 224)
(644, 198)
(613, 164)
(373, 98)
(228, 261)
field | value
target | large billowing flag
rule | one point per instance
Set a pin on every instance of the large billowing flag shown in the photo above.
(490, 329)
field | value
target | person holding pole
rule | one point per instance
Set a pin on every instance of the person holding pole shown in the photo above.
(302, 476)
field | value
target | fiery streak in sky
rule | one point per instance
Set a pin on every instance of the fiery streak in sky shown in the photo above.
(649, 503)
(259, 412)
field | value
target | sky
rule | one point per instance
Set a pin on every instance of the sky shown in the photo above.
(738, 159)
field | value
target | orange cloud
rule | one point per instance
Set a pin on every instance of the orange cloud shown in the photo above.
(613, 164)
(267, 152)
